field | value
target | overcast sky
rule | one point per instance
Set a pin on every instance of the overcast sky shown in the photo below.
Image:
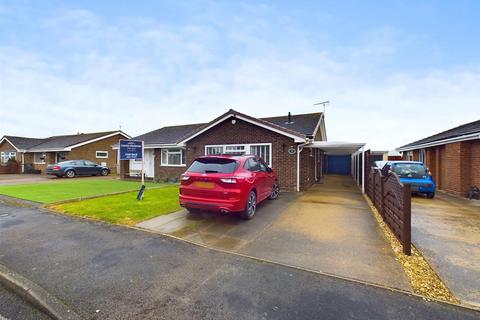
(393, 73)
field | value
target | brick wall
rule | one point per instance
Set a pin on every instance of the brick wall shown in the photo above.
(475, 163)
(170, 173)
(457, 168)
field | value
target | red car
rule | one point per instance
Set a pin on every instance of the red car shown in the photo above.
(228, 184)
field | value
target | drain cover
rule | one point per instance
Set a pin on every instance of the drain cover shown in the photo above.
(3, 215)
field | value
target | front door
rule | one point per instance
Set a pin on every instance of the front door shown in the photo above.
(149, 163)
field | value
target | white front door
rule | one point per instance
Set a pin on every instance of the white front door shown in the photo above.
(136, 166)
(149, 163)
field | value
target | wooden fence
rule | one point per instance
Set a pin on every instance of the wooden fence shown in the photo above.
(393, 201)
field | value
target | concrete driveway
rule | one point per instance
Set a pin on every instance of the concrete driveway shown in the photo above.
(447, 231)
(24, 178)
(329, 228)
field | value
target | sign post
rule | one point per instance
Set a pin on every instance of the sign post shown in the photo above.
(133, 150)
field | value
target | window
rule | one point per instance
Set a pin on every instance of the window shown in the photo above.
(263, 150)
(101, 154)
(234, 150)
(38, 157)
(214, 150)
(421, 156)
(5, 156)
(409, 156)
(173, 157)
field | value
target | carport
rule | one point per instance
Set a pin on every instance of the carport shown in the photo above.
(339, 152)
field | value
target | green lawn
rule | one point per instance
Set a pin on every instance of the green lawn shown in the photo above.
(124, 208)
(54, 191)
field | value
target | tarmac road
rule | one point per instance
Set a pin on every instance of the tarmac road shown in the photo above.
(110, 272)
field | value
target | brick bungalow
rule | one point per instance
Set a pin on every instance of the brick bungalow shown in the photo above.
(278, 140)
(35, 153)
(453, 157)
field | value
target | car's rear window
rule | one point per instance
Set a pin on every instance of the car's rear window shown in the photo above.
(213, 165)
(410, 169)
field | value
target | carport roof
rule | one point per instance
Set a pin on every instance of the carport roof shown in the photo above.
(336, 147)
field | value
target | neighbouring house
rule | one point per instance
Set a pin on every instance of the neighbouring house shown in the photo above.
(33, 154)
(453, 157)
(281, 141)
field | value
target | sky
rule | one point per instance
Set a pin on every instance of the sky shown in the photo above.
(394, 71)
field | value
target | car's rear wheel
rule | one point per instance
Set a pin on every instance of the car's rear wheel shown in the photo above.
(430, 195)
(104, 172)
(251, 206)
(275, 192)
(70, 174)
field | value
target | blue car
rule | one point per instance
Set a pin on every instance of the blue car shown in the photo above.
(415, 174)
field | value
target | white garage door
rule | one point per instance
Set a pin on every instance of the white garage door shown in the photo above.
(136, 166)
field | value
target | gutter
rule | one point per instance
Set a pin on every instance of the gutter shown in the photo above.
(467, 137)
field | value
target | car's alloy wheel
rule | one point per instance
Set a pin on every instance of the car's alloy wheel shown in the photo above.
(104, 172)
(251, 206)
(275, 192)
(70, 174)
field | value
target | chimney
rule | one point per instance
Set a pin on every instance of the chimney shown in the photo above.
(289, 118)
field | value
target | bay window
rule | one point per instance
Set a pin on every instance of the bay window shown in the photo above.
(173, 157)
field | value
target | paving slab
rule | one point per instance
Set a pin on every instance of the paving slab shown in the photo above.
(330, 228)
(446, 229)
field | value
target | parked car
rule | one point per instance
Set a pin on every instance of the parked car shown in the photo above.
(414, 173)
(73, 168)
(228, 184)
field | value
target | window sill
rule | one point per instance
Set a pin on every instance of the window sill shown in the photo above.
(172, 165)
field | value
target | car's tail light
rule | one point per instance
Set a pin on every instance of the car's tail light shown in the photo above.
(429, 185)
(228, 180)
(56, 167)
(184, 177)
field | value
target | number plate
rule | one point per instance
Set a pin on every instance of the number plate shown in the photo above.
(205, 185)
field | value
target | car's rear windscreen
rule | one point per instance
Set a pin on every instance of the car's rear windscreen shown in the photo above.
(213, 165)
(415, 170)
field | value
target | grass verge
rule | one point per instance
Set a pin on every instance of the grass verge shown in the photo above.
(124, 208)
(55, 191)
(423, 279)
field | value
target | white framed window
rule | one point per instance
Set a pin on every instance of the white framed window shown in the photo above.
(5, 156)
(421, 155)
(263, 150)
(101, 154)
(38, 158)
(409, 156)
(173, 157)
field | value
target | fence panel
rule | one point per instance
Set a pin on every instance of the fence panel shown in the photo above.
(393, 201)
